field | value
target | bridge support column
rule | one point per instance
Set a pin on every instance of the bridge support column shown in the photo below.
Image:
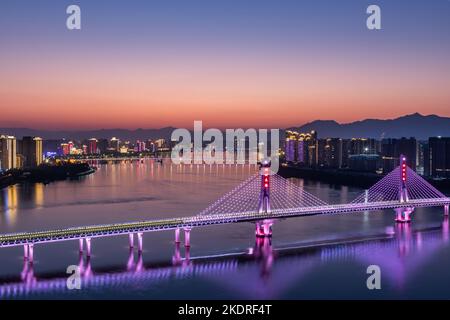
(88, 246)
(31, 252)
(131, 240)
(446, 210)
(140, 241)
(81, 243)
(177, 235)
(264, 228)
(403, 214)
(25, 251)
(187, 237)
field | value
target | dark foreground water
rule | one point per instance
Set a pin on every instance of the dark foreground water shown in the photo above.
(311, 257)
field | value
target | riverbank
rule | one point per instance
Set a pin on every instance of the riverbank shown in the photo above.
(346, 177)
(46, 173)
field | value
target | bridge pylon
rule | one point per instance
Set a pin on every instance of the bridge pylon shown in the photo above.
(264, 227)
(403, 214)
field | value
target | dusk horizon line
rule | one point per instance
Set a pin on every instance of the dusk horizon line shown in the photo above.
(221, 128)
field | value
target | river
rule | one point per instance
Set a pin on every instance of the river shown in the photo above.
(307, 258)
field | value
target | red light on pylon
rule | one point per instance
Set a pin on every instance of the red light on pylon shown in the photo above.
(403, 169)
(266, 181)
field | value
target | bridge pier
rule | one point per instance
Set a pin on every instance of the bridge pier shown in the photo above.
(30, 252)
(177, 235)
(403, 214)
(264, 228)
(446, 210)
(131, 240)
(88, 246)
(140, 241)
(81, 243)
(187, 237)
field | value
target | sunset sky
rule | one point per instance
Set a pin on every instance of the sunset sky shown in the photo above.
(230, 63)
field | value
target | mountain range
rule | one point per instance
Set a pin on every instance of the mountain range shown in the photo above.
(413, 125)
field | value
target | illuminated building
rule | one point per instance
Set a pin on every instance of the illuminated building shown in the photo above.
(71, 147)
(8, 152)
(160, 143)
(31, 149)
(437, 157)
(151, 146)
(65, 149)
(364, 146)
(20, 160)
(114, 144)
(301, 148)
(140, 146)
(92, 149)
(102, 145)
(123, 149)
(330, 152)
(290, 146)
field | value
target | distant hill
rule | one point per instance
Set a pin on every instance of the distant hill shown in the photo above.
(123, 134)
(413, 125)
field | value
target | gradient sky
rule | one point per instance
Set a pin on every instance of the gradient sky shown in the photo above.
(230, 63)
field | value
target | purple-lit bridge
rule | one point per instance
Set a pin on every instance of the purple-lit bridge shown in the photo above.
(262, 199)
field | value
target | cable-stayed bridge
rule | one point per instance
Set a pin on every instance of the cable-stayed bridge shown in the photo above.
(262, 199)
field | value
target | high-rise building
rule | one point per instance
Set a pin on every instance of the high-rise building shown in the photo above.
(346, 152)
(65, 150)
(330, 152)
(291, 146)
(391, 149)
(32, 150)
(301, 148)
(437, 157)
(140, 146)
(71, 147)
(364, 146)
(151, 146)
(160, 143)
(421, 145)
(114, 144)
(102, 145)
(8, 152)
(92, 148)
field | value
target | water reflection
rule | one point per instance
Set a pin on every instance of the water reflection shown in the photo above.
(268, 272)
(9, 203)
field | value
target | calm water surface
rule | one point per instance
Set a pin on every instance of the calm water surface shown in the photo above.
(311, 257)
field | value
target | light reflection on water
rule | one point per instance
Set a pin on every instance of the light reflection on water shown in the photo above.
(223, 261)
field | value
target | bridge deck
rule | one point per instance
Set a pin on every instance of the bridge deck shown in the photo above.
(17, 239)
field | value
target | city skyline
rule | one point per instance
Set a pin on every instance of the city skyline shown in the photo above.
(162, 65)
